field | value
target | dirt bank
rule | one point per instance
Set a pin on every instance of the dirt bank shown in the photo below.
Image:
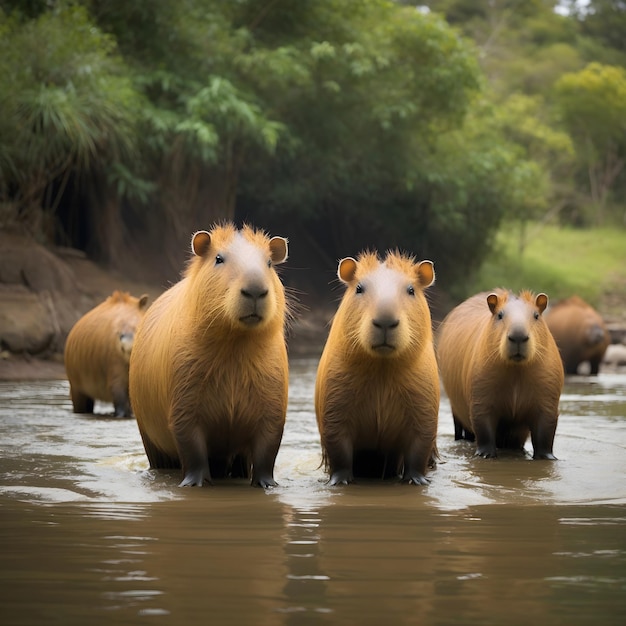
(44, 291)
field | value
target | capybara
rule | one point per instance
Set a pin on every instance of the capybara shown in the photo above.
(377, 385)
(97, 352)
(501, 370)
(209, 370)
(580, 333)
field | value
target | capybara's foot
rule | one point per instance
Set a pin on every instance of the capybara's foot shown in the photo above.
(486, 452)
(548, 456)
(415, 478)
(122, 411)
(341, 477)
(263, 481)
(196, 478)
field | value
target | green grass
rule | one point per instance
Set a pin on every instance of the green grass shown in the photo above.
(560, 262)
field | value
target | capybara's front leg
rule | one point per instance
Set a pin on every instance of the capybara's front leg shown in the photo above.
(542, 437)
(81, 402)
(485, 432)
(194, 459)
(263, 458)
(416, 459)
(340, 457)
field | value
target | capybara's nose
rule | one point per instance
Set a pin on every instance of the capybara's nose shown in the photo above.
(255, 292)
(386, 323)
(518, 336)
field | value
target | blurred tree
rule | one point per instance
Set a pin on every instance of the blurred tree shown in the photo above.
(592, 103)
(374, 93)
(321, 110)
(604, 20)
(68, 111)
(351, 123)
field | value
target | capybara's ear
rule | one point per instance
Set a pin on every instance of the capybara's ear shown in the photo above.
(346, 269)
(425, 273)
(200, 242)
(492, 301)
(143, 301)
(542, 302)
(279, 250)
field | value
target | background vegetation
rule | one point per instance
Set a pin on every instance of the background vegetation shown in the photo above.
(125, 126)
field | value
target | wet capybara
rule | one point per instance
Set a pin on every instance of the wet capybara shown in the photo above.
(209, 370)
(580, 333)
(377, 385)
(97, 353)
(501, 370)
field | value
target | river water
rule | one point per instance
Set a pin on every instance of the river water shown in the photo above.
(90, 535)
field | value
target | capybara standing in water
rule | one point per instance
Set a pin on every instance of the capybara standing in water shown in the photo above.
(579, 332)
(501, 370)
(209, 370)
(377, 386)
(97, 352)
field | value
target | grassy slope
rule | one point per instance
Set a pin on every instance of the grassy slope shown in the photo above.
(561, 262)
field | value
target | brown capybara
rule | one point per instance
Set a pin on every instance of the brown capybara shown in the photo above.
(209, 370)
(579, 332)
(97, 353)
(377, 385)
(501, 370)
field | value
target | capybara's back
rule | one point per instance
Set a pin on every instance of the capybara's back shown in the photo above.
(377, 386)
(579, 332)
(209, 370)
(97, 353)
(501, 371)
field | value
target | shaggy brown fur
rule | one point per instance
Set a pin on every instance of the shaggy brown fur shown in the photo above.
(97, 352)
(501, 370)
(209, 370)
(579, 332)
(377, 386)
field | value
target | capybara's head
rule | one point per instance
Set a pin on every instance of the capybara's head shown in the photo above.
(384, 308)
(234, 279)
(128, 313)
(518, 330)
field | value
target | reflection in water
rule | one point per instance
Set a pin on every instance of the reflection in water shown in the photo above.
(88, 534)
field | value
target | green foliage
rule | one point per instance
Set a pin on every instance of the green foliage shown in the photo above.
(604, 20)
(66, 104)
(365, 129)
(358, 123)
(592, 104)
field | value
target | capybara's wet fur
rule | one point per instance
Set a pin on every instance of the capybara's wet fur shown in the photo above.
(97, 353)
(209, 370)
(501, 370)
(377, 386)
(579, 332)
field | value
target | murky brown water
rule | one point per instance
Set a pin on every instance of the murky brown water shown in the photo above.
(89, 535)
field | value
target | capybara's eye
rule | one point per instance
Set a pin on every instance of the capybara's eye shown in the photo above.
(536, 315)
(269, 262)
(359, 288)
(219, 259)
(500, 315)
(410, 290)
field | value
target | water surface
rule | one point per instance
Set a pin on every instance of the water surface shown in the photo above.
(90, 535)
